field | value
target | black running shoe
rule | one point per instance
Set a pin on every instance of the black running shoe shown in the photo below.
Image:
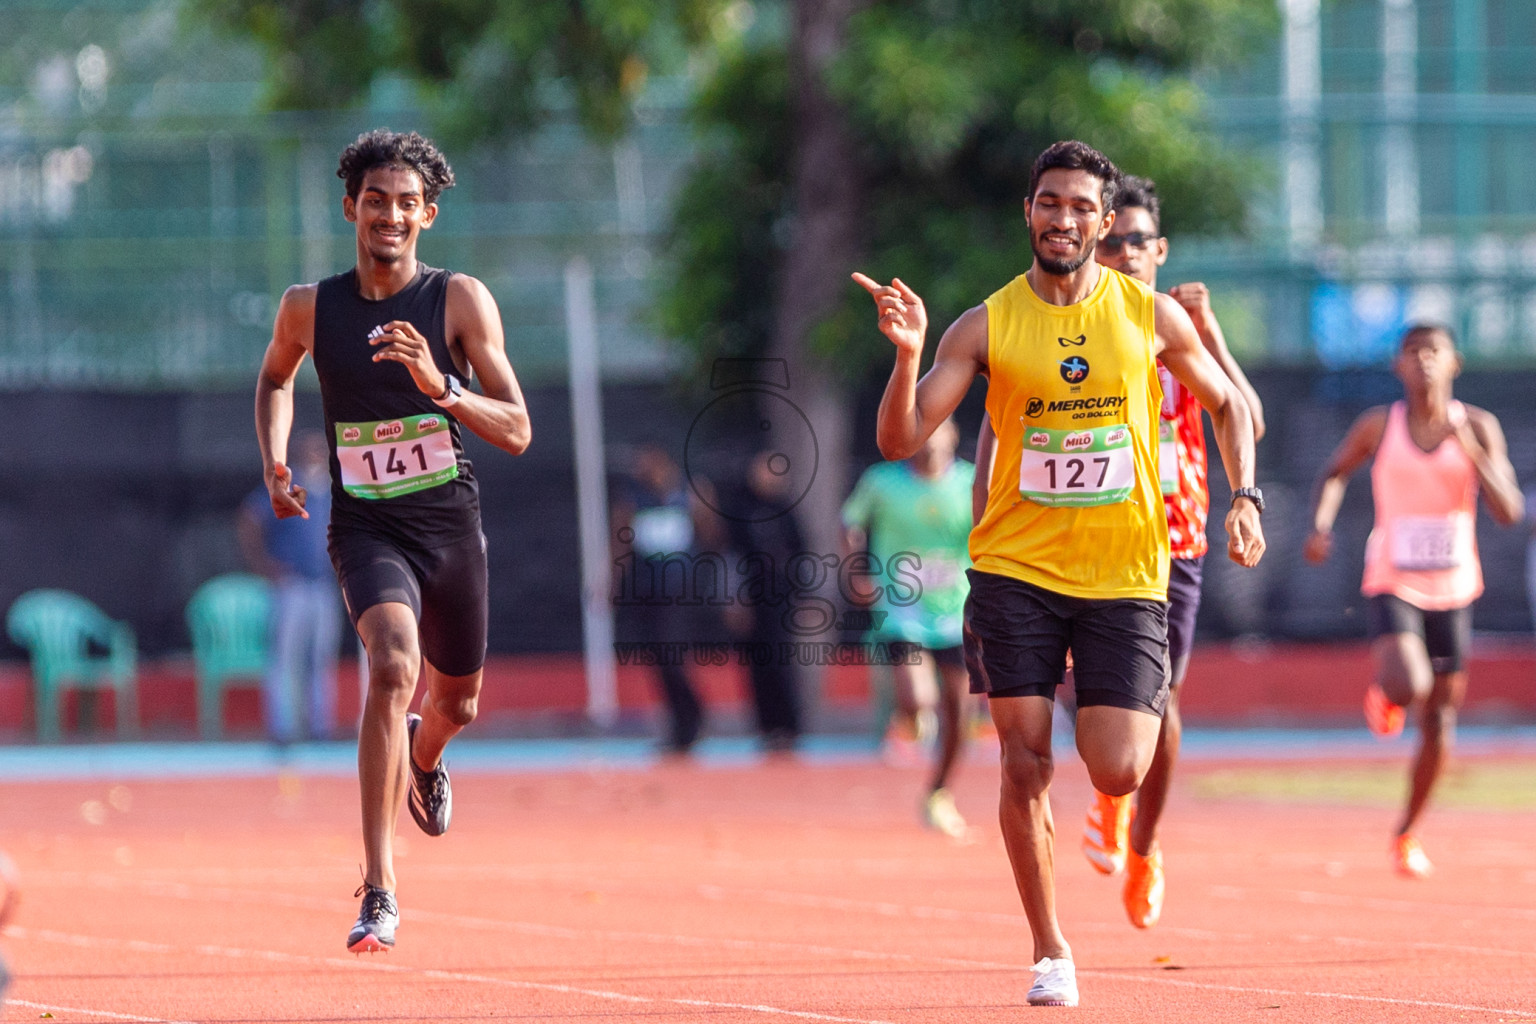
(376, 922)
(431, 795)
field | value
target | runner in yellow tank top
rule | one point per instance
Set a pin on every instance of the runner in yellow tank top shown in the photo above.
(1071, 551)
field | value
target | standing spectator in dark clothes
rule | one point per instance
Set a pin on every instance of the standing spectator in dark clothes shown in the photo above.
(765, 529)
(668, 529)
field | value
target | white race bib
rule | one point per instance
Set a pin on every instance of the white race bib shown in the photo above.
(938, 572)
(663, 530)
(388, 458)
(1426, 543)
(1091, 466)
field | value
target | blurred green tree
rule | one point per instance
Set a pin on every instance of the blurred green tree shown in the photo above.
(893, 137)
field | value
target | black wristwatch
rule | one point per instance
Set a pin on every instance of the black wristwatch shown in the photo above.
(1253, 494)
(451, 394)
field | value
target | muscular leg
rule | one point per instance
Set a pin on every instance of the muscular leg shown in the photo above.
(1437, 723)
(1024, 731)
(954, 691)
(388, 631)
(1117, 745)
(450, 704)
(1402, 667)
(1153, 794)
(914, 688)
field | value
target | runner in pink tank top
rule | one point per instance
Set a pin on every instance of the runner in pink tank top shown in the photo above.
(1432, 456)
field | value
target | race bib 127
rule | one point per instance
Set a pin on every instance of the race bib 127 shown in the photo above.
(1091, 466)
(388, 458)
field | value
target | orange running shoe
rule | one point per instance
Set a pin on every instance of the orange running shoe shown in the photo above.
(1384, 718)
(1144, 887)
(1106, 835)
(1410, 857)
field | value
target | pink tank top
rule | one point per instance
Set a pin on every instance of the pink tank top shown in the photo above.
(1423, 545)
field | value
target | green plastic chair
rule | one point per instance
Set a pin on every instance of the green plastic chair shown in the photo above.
(65, 635)
(228, 618)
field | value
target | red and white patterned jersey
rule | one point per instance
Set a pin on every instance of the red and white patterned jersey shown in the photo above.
(1181, 468)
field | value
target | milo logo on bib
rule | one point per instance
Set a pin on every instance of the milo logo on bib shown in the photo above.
(388, 458)
(1077, 468)
(388, 431)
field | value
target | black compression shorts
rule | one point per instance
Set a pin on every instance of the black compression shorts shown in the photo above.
(1184, 576)
(444, 586)
(1447, 635)
(1017, 636)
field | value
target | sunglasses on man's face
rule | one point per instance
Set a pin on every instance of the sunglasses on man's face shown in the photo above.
(1134, 239)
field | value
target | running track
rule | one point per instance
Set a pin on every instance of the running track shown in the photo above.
(742, 892)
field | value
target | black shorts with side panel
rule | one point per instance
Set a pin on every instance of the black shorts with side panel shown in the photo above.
(1017, 636)
(1184, 579)
(446, 587)
(1447, 635)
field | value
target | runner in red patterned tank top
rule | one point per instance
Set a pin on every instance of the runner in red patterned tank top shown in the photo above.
(1112, 842)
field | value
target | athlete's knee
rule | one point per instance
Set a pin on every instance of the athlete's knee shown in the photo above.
(1117, 769)
(1439, 721)
(392, 673)
(459, 710)
(1026, 770)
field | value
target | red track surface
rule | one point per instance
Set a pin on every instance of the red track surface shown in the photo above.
(775, 893)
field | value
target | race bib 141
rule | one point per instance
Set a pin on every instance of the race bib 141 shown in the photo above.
(388, 458)
(1075, 468)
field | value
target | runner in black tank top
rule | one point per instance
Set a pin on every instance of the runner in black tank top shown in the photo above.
(356, 389)
(390, 339)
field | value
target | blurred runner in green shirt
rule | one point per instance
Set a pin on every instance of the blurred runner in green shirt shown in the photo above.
(914, 517)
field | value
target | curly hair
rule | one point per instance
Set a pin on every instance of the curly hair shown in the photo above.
(1140, 192)
(1072, 155)
(405, 150)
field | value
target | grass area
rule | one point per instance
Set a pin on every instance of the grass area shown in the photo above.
(1508, 786)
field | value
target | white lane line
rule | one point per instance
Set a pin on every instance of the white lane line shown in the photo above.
(50, 1008)
(370, 964)
(887, 909)
(587, 935)
(1328, 899)
(1426, 1003)
(100, 942)
(553, 931)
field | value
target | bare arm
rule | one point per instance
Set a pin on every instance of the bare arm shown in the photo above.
(1483, 439)
(1180, 348)
(986, 457)
(1196, 300)
(912, 409)
(1353, 452)
(292, 336)
(473, 326)
(498, 414)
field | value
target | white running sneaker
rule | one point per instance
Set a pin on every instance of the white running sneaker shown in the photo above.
(941, 815)
(1055, 983)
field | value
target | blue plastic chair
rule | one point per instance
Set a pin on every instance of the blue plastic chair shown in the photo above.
(64, 634)
(228, 618)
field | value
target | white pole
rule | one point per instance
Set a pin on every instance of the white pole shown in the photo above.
(591, 494)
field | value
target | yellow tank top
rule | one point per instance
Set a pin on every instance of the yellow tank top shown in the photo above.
(1074, 505)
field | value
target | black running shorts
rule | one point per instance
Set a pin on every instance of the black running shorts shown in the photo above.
(1017, 636)
(1184, 575)
(444, 586)
(1446, 634)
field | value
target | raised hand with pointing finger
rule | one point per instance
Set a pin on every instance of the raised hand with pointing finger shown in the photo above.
(902, 316)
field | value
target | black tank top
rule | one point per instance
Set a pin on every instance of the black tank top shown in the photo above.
(354, 389)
